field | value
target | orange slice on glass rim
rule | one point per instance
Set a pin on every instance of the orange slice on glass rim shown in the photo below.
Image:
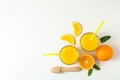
(68, 38)
(77, 28)
(86, 61)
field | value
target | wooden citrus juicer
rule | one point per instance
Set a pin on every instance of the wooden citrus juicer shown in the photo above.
(59, 69)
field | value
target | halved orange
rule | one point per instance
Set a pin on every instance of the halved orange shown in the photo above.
(86, 61)
(69, 38)
(77, 28)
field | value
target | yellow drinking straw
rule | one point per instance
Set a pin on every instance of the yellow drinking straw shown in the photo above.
(50, 54)
(97, 30)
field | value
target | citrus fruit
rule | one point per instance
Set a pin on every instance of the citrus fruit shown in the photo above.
(69, 38)
(86, 61)
(87, 43)
(77, 28)
(104, 53)
(69, 54)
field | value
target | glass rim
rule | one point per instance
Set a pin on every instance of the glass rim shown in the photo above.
(74, 48)
(89, 33)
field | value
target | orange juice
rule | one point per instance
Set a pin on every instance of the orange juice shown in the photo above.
(87, 43)
(69, 54)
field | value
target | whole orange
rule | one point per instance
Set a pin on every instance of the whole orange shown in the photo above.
(104, 53)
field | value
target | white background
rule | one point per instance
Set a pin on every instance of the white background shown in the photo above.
(29, 28)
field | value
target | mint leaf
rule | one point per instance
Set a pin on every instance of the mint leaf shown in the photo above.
(96, 67)
(105, 38)
(90, 72)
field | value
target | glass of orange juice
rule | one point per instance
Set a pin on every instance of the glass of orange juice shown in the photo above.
(69, 54)
(87, 43)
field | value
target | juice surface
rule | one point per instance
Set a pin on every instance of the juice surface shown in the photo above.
(69, 54)
(87, 43)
